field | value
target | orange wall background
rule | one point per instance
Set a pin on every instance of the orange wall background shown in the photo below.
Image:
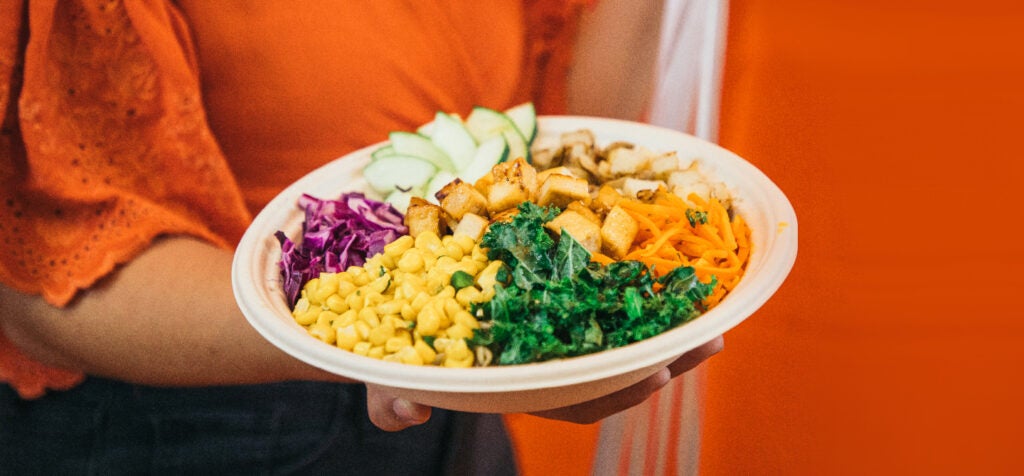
(897, 344)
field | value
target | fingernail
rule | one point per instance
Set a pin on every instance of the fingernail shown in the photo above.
(409, 411)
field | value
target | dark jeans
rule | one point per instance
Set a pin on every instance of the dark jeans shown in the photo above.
(105, 427)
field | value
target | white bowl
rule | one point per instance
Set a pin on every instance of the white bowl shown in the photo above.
(536, 386)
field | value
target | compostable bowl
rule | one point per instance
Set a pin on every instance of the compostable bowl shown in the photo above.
(258, 290)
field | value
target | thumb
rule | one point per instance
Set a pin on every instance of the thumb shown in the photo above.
(391, 413)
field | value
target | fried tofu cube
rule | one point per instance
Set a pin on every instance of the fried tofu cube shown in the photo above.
(627, 161)
(471, 225)
(515, 182)
(560, 190)
(606, 198)
(585, 211)
(424, 216)
(459, 198)
(543, 175)
(618, 232)
(579, 227)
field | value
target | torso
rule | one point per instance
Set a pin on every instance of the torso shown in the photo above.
(290, 85)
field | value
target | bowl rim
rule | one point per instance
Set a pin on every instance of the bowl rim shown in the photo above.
(740, 304)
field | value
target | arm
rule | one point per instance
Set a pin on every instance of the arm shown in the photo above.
(166, 318)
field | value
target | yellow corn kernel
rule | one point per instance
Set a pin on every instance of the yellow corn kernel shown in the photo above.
(458, 350)
(452, 307)
(346, 318)
(369, 316)
(363, 329)
(326, 318)
(445, 263)
(421, 300)
(464, 318)
(466, 242)
(362, 348)
(396, 343)
(311, 286)
(327, 287)
(309, 317)
(467, 296)
(336, 303)
(447, 292)
(408, 313)
(392, 358)
(396, 321)
(359, 275)
(379, 335)
(429, 259)
(376, 352)
(393, 306)
(410, 356)
(411, 261)
(479, 254)
(453, 250)
(355, 301)
(380, 284)
(459, 331)
(399, 246)
(458, 363)
(374, 264)
(346, 337)
(346, 287)
(487, 294)
(372, 298)
(472, 266)
(441, 344)
(436, 282)
(428, 321)
(344, 277)
(428, 242)
(489, 276)
(323, 332)
(427, 354)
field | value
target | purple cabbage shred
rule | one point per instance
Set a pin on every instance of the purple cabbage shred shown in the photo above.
(335, 235)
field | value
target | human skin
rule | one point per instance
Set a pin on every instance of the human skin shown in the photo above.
(168, 317)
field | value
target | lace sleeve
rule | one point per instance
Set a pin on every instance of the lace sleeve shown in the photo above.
(105, 143)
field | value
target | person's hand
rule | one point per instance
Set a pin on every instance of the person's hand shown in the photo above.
(608, 405)
(390, 413)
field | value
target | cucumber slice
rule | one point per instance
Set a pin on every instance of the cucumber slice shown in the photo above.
(415, 145)
(491, 152)
(484, 123)
(441, 178)
(400, 198)
(384, 151)
(398, 172)
(451, 136)
(525, 118)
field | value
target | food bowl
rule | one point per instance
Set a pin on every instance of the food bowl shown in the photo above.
(530, 387)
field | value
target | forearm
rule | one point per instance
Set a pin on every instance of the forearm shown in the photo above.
(615, 55)
(166, 318)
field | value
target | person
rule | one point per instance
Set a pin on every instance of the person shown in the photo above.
(138, 140)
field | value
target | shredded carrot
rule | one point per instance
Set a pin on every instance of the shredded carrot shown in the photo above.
(714, 244)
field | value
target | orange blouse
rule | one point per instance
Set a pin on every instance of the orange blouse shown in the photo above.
(125, 121)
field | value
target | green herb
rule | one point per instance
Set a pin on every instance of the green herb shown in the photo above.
(695, 217)
(559, 304)
(461, 279)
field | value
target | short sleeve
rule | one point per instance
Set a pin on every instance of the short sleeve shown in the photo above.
(105, 143)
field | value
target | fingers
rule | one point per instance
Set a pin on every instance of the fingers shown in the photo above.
(595, 410)
(694, 357)
(391, 413)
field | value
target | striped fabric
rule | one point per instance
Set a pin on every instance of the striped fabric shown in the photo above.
(662, 436)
